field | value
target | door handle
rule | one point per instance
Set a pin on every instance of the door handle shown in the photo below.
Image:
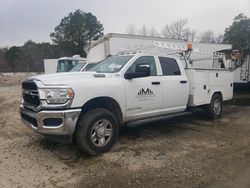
(156, 83)
(183, 81)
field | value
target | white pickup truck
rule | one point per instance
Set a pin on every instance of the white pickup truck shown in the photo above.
(89, 107)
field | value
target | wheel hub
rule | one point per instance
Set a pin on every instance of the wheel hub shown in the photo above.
(217, 107)
(101, 132)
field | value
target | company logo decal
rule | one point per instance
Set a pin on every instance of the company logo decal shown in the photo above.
(145, 92)
(145, 95)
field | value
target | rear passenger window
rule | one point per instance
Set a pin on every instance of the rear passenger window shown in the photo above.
(169, 66)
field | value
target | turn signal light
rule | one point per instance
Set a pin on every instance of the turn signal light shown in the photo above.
(70, 93)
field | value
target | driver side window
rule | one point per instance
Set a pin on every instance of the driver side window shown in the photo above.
(144, 60)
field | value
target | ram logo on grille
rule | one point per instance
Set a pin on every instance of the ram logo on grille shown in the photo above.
(30, 92)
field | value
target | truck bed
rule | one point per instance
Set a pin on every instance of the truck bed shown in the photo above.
(203, 83)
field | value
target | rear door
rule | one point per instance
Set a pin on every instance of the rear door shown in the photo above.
(143, 95)
(175, 86)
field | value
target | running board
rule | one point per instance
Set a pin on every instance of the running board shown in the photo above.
(149, 120)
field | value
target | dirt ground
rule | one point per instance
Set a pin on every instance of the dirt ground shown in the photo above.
(187, 151)
(11, 80)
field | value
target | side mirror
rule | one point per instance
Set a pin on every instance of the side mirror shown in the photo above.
(141, 70)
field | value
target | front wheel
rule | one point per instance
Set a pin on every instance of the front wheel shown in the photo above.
(214, 109)
(97, 131)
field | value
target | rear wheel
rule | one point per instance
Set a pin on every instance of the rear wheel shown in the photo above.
(214, 109)
(97, 131)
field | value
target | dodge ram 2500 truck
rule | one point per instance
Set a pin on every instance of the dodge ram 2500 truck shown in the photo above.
(89, 107)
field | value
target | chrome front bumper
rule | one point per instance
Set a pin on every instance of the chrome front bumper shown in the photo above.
(63, 126)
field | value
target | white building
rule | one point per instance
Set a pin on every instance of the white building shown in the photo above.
(113, 43)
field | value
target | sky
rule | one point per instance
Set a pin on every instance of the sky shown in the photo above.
(23, 20)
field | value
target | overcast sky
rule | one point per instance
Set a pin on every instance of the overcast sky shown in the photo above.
(22, 20)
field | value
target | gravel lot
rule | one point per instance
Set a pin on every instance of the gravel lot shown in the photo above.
(187, 151)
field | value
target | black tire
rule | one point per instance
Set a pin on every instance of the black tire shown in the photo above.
(90, 124)
(214, 109)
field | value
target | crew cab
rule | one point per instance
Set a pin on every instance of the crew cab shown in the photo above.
(90, 107)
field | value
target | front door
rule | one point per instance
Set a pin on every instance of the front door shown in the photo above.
(143, 95)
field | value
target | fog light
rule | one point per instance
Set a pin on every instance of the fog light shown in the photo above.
(52, 122)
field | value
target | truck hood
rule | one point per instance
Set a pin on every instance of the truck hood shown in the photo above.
(67, 78)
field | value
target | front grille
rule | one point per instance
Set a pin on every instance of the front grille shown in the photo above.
(29, 85)
(29, 119)
(31, 99)
(30, 94)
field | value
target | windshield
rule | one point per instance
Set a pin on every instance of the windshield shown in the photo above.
(78, 67)
(111, 64)
(66, 65)
(90, 66)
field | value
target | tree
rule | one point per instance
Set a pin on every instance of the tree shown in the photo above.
(191, 35)
(131, 29)
(143, 31)
(238, 34)
(30, 56)
(153, 32)
(219, 38)
(76, 31)
(207, 37)
(4, 65)
(12, 55)
(177, 30)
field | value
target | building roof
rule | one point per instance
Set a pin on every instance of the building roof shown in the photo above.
(110, 35)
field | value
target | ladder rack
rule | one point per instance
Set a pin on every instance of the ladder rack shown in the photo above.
(163, 48)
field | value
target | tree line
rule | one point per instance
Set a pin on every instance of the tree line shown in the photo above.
(72, 36)
(177, 30)
(29, 57)
(237, 34)
(78, 29)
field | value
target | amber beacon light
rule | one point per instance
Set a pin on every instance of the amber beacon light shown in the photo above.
(189, 46)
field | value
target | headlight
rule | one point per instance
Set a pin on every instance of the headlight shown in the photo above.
(56, 96)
